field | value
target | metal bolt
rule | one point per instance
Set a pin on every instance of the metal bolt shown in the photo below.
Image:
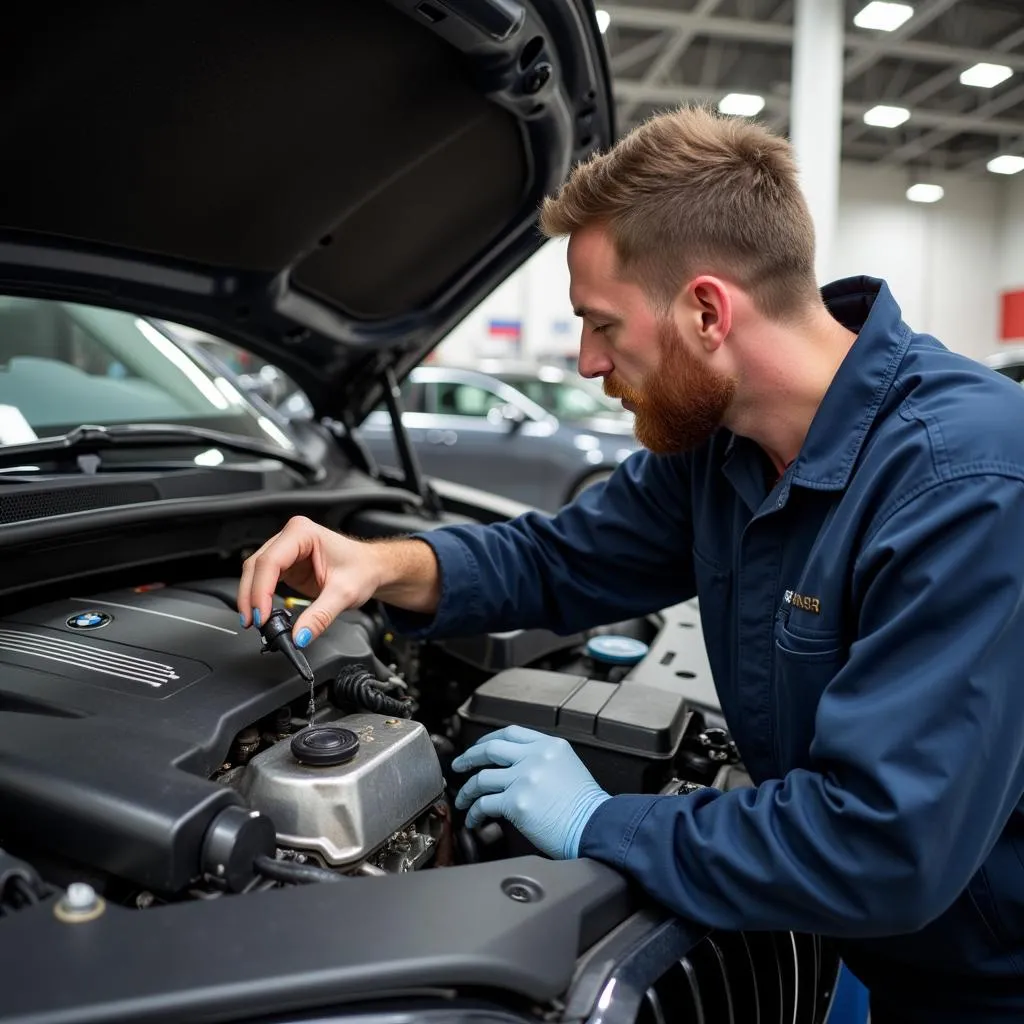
(144, 900)
(79, 904)
(522, 890)
(537, 78)
(80, 897)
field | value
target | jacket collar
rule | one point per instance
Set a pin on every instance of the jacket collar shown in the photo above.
(866, 306)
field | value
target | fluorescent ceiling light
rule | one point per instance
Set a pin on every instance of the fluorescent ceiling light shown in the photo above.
(985, 76)
(884, 17)
(604, 19)
(886, 117)
(741, 104)
(1006, 164)
(922, 193)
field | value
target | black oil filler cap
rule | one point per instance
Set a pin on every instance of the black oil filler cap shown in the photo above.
(324, 745)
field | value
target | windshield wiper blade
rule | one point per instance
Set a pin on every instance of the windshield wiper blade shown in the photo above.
(89, 439)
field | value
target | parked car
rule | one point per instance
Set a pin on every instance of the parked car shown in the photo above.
(328, 187)
(562, 393)
(1008, 361)
(488, 431)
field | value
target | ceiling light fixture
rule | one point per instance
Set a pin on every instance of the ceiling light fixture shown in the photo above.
(741, 104)
(1006, 164)
(923, 193)
(884, 17)
(604, 19)
(886, 117)
(985, 76)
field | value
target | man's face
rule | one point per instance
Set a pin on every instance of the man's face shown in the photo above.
(677, 399)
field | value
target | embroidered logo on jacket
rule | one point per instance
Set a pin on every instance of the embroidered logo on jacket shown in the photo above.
(803, 602)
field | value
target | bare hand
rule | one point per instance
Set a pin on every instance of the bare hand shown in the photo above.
(337, 572)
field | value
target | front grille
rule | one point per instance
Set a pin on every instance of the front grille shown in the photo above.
(719, 978)
(735, 977)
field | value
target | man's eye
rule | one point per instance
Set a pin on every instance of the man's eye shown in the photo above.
(600, 328)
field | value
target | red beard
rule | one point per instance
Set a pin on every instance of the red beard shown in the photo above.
(681, 404)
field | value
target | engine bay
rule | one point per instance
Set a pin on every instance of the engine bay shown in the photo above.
(169, 780)
(155, 751)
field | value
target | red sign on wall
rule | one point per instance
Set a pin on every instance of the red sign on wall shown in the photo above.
(1011, 323)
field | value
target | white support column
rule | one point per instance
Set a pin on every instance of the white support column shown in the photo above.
(816, 105)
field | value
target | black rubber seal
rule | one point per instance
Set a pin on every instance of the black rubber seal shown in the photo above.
(325, 745)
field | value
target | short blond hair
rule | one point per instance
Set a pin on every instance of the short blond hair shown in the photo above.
(691, 192)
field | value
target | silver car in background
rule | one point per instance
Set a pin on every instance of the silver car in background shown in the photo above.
(487, 430)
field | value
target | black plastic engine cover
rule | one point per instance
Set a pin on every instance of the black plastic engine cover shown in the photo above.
(114, 710)
(626, 733)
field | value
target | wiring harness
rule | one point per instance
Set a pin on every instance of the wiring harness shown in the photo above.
(359, 688)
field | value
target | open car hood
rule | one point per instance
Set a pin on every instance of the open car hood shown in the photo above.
(332, 184)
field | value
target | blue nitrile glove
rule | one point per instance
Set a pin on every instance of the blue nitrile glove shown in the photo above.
(541, 788)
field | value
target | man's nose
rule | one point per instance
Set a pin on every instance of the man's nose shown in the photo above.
(593, 361)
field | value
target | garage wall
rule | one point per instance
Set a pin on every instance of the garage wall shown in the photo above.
(941, 260)
(947, 264)
(537, 298)
(1011, 253)
(1011, 262)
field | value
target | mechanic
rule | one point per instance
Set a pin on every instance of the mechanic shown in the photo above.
(846, 499)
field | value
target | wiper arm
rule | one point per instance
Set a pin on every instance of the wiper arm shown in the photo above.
(89, 439)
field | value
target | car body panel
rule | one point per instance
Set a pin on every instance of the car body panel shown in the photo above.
(334, 188)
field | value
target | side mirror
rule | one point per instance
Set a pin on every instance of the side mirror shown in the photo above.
(512, 416)
(509, 414)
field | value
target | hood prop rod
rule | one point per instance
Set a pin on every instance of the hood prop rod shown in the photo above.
(414, 478)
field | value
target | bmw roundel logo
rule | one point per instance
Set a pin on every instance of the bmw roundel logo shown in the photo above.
(89, 620)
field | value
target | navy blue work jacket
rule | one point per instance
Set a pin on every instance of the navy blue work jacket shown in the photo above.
(864, 619)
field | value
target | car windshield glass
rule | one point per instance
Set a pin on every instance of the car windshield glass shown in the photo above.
(63, 365)
(567, 399)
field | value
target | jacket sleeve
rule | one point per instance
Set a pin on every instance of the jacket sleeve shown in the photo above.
(917, 755)
(623, 548)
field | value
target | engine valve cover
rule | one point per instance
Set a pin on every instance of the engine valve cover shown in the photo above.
(344, 812)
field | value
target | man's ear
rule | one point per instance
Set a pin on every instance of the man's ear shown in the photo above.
(706, 307)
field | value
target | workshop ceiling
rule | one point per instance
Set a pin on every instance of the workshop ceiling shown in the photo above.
(667, 52)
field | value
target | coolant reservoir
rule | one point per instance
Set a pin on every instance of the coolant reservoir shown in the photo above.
(611, 655)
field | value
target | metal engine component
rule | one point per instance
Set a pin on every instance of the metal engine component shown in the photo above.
(406, 851)
(347, 811)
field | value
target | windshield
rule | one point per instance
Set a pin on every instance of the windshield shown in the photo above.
(63, 365)
(566, 399)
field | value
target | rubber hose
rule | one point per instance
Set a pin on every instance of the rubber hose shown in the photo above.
(467, 846)
(355, 685)
(290, 871)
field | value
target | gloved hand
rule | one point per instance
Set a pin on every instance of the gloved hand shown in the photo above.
(542, 788)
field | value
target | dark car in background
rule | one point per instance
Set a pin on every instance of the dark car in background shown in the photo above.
(534, 436)
(1008, 361)
(537, 434)
(329, 188)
